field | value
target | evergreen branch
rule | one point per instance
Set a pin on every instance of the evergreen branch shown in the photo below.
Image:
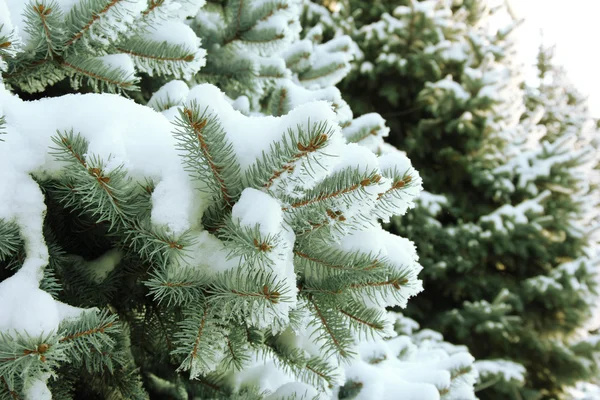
(2, 123)
(250, 246)
(12, 393)
(246, 19)
(315, 74)
(296, 150)
(198, 337)
(338, 260)
(395, 283)
(157, 245)
(162, 58)
(33, 76)
(363, 133)
(237, 353)
(177, 285)
(49, 16)
(99, 75)
(87, 7)
(10, 239)
(334, 332)
(250, 298)
(199, 340)
(91, 330)
(299, 59)
(207, 155)
(397, 185)
(281, 95)
(106, 196)
(159, 54)
(363, 319)
(152, 5)
(399, 196)
(313, 371)
(4, 43)
(336, 186)
(22, 355)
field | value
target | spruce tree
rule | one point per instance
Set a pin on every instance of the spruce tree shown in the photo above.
(213, 241)
(505, 229)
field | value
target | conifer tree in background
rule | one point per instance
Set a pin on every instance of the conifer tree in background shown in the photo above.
(505, 231)
(218, 242)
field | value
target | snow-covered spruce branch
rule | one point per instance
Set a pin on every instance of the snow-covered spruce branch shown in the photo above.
(238, 234)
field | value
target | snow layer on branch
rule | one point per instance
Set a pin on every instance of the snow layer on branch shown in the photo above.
(295, 390)
(37, 389)
(432, 202)
(243, 130)
(172, 93)
(368, 130)
(400, 252)
(268, 217)
(175, 32)
(505, 370)
(505, 217)
(120, 61)
(141, 140)
(450, 85)
(117, 130)
(585, 391)
(411, 366)
(336, 54)
(296, 95)
(25, 307)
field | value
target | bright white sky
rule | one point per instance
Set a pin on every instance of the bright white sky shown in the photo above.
(574, 26)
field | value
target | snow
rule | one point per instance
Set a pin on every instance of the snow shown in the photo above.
(450, 85)
(296, 390)
(411, 366)
(172, 93)
(268, 217)
(504, 218)
(37, 389)
(366, 67)
(296, 95)
(355, 156)
(117, 130)
(508, 371)
(174, 32)
(432, 202)
(25, 307)
(368, 130)
(585, 391)
(120, 61)
(542, 283)
(400, 252)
